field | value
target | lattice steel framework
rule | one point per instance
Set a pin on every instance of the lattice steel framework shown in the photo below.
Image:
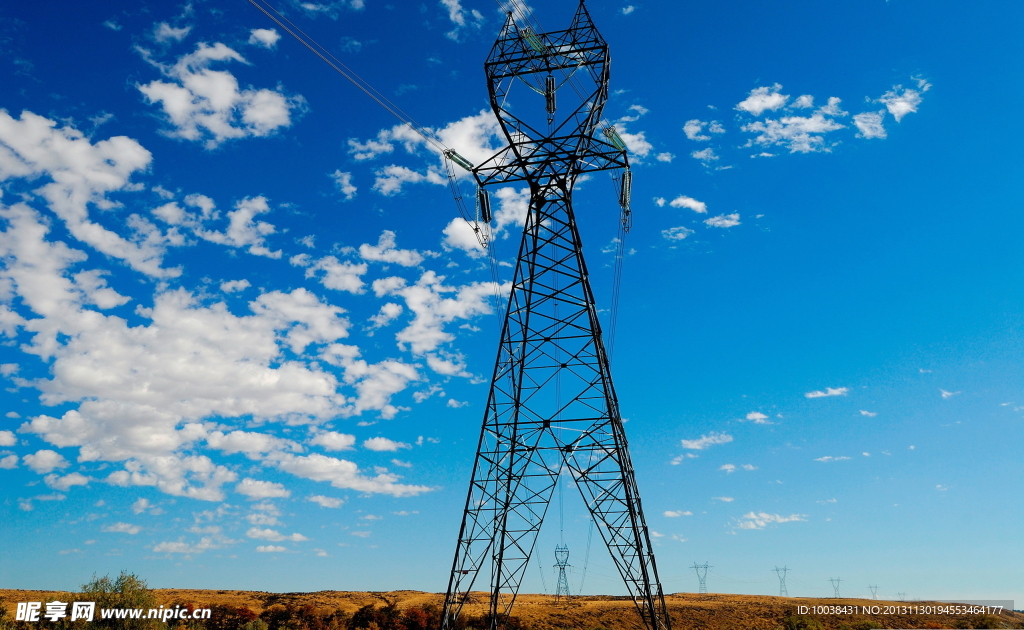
(561, 563)
(551, 403)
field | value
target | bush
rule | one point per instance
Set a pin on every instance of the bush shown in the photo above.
(126, 591)
(801, 622)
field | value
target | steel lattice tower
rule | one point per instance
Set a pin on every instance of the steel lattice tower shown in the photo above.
(561, 563)
(551, 402)
(783, 592)
(702, 576)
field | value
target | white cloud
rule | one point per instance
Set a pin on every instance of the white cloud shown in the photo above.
(362, 534)
(759, 520)
(7, 438)
(67, 481)
(803, 101)
(343, 182)
(327, 502)
(234, 286)
(388, 313)
(122, 528)
(432, 310)
(829, 458)
(664, 157)
(677, 513)
(386, 252)
(461, 18)
(255, 489)
(141, 505)
(676, 233)
(757, 418)
(724, 220)
(946, 394)
(384, 444)
(207, 105)
(270, 549)
(185, 548)
(870, 414)
(344, 474)
(901, 101)
(334, 441)
(705, 441)
(44, 461)
(828, 391)
(273, 535)
(705, 155)
(799, 134)
(626, 10)
(8, 462)
(82, 173)
(723, 499)
(682, 201)
(748, 467)
(869, 124)
(266, 37)
(729, 468)
(390, 179)
(164, 32)
(693, 130)
(762, 99)
(337, 275)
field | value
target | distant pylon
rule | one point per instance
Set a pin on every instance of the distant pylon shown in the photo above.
(835, 585)
(902, 596)
(702, 575)
(782, 581)
(561, 562)
(874, 591)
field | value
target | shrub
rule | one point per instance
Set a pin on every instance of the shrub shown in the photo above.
(126, 591)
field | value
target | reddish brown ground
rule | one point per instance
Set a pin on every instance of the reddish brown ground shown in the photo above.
(539, 612)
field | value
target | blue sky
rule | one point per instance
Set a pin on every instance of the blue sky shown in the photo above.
(246, 342)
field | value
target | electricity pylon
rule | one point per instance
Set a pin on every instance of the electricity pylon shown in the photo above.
(835, 585)
(782, 581)
(874, 591)
(561, 562)
(702, 576)
(551, 402)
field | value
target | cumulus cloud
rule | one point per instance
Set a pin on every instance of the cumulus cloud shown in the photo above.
(729, 468)
(265, 37)
(208, 105)
(757, 418)
(724, 220)
(256, 490)
(386, 252)
(682, 201)
(760, 520)
(327, 502)
(705, 441)
(273, 535)
(67, 481)
(81, 173)
(695, 129)
(384, 444)
(676, 233)
(799, 134)
(344, 474)
(763, 99)
(343, 182)
(122, 528)
(830, 458)
(677, 513)
(44, 461)
(869, 124)
(7, 438)
(870, 414)
(334, 441)
(901, 101)
(828, 391)
(270, 549)
(164, 32)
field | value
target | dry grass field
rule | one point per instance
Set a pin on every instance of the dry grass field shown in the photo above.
(540, 612)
